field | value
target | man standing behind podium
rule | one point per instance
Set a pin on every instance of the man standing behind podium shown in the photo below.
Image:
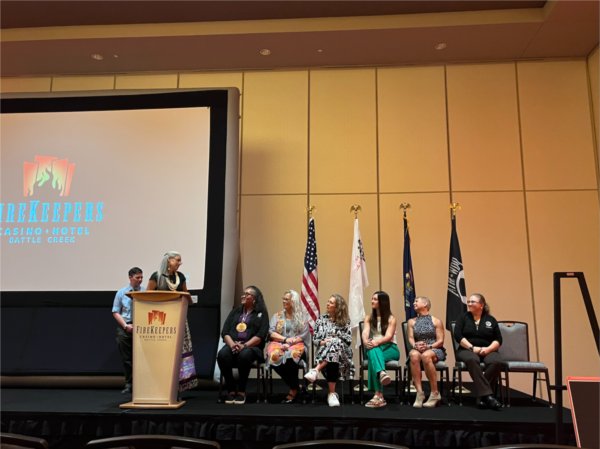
(121, 310)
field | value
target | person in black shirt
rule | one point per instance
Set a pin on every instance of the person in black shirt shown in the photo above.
(168, 277)
(479, 337)
(244, 333)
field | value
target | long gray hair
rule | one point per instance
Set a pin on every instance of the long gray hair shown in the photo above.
(163, 272)
(298, 318)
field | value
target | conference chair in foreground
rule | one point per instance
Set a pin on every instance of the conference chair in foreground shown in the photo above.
(16, 441)
(530, 446)
(152, 442)
(338, 444)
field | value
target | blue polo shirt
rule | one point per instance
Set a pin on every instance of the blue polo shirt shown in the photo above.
(122, 303)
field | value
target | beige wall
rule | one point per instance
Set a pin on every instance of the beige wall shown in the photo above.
(513, 143)
(594, 83)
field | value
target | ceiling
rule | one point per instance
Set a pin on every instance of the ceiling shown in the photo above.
(59, 37)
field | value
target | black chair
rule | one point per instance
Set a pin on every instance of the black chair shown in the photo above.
(390, 365)
(338, 444)
(459, 367)
(440, 366)
(16, 441)
(515, 354)
(151, 442)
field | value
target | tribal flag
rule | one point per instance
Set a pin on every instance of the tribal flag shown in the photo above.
(457, 293)
(408, 277)
(310, 279)
(358, 279)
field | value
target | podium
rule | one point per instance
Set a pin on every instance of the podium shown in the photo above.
(158, 330)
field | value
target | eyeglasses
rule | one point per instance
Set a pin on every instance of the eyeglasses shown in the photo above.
(472, 302)
(247, 294)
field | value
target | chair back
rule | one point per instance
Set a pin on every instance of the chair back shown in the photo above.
(515, 341)
(407, 347)
(361, 348)
(152, 442)
(16, 441)
(338, 444)
(455, 344)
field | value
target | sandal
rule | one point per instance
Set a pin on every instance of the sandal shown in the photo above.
(376, 402)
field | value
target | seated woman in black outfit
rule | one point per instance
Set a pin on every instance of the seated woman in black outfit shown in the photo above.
(479, 337)
(244, 333)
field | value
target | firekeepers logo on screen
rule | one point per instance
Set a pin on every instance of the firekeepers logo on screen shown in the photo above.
(156, 328)
(47, 169)
(45, 216)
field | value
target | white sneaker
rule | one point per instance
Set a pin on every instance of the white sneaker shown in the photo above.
(332, 400)
(311, 376)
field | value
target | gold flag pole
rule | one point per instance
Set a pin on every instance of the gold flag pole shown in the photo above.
(454, 207)
(404, 207)
(310, 210)
(356, 209)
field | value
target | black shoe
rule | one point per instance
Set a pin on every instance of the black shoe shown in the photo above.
(289, 399)
(493, 403)
(230, 398)
(239, 399)
(489, 402)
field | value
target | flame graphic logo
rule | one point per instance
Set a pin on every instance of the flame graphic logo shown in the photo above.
(156, 317)
(47, 172)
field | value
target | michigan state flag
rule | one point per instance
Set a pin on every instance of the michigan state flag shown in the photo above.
(408, 277)
(456, 300)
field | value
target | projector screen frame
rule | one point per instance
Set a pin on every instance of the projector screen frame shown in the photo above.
(217, 101)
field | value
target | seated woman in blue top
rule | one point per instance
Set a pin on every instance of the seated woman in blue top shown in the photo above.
(426, 338)
(379, 341)
(244, 333)
(478, 334)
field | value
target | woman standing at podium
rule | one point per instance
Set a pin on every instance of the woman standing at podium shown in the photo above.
(244, 333)
(169, 278)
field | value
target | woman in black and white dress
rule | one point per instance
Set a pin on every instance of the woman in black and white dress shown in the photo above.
(333, 337)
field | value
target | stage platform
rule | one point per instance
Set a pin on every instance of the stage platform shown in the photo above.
(68, 418)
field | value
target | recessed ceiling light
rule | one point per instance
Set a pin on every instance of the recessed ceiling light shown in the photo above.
(97, 56)
(440, 46)
(319, 50)
(115, 56)
(265, 52)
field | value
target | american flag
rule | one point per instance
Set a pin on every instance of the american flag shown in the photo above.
(310, 279)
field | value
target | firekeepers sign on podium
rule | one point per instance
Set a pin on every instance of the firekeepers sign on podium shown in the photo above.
(156, 329)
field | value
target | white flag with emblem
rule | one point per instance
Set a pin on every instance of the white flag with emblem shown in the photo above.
(358, 279)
